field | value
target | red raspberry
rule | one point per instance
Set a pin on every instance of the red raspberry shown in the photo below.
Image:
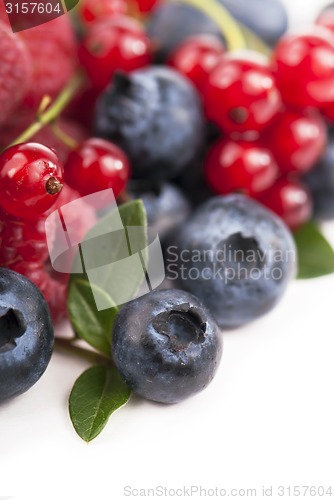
(15, 72)
(239, 166)
(54, 291)
(22, 240)
(196, 57)
(297, 140)
(304, 68)
(241, 94)
(52, 48)
(289, 199)
(23, 248)
(117, 43)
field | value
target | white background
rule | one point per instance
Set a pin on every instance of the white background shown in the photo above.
(267, 419)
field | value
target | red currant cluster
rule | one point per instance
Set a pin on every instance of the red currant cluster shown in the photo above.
(270, 115)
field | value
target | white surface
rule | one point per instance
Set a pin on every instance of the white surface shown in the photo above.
(267, 419)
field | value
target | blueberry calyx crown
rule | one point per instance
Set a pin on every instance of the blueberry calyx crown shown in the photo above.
(183, 327)
(12, 326)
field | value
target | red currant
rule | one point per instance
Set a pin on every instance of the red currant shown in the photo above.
(196, 57)
(31, 177)
(241, 93)
(297, 140)
(97, 165)
(326, 18)
(90, 10)
(290, 200)
(304, 68)
(239, 166)
(117, 43)
(146, 6)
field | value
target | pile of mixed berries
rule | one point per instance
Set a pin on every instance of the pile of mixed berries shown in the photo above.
(231, 151)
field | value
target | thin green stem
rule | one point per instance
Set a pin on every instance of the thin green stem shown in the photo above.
(51, 114)
(69, 345)
(63, 137)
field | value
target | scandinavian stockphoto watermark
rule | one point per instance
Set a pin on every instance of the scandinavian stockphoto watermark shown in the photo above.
(230, 260)
(109, 249)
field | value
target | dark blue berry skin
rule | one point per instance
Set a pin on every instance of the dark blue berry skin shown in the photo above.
(156, 117)
(237, 257)
(320, 181)
(171, 23)
(267, 18)
(165, 204)
(26, 334)
(166, 346)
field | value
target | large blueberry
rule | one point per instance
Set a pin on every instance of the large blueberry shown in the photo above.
(171, 23)
(166, 345)
(165, 204)
(156, 117)
(26, 334)
(321, 183)
(267, 18)
(236, 256)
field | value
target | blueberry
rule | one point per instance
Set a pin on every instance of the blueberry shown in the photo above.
(166, 345)
(166, 206)
(156, 117)
(267, 18)
(171, 23)
(26, 334)
(321, 183)
(236, 256)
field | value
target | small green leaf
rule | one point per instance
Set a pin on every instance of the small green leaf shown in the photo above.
(91, 325)
(96, 394)
(315, 254)
(106, 249)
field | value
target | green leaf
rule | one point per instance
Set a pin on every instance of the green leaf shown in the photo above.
(106, 245)
(91, 325)
(315, 254)
(96, 394)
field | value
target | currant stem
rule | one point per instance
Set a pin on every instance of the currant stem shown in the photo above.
(68, 345)
(63, 137)
(51, 114)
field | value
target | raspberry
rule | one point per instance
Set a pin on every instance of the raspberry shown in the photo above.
(15, 72)
(54, 291)
(52, 48)
(24, 249)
